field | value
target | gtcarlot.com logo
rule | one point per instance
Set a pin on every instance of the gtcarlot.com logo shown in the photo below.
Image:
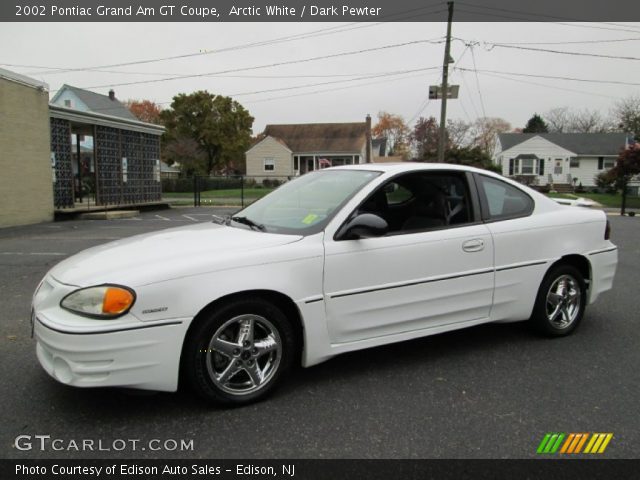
(574, 443)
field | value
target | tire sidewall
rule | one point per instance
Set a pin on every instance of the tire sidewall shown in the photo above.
(198, 342)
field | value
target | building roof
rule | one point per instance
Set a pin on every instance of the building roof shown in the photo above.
(98, 103)
(24, 80)
(579, 143)
(320, 137)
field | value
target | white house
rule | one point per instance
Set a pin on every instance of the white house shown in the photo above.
(295, 149)
(558, 158)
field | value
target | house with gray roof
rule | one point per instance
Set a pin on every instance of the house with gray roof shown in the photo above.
(558, 158)
(294, 149)
(87, 101)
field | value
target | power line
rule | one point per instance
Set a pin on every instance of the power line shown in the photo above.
(563, 52)
(566, 43)
(277, 64)
(554, 77)
(548, 86)
(296, 87)
(332, 89)
(475, 68)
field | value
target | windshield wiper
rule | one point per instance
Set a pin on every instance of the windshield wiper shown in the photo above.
(220, 220)
(250, 223)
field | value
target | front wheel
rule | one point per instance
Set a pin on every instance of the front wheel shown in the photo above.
(238, 354)
(561, 301)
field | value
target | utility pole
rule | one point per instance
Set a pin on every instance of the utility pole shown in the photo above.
(445, 87)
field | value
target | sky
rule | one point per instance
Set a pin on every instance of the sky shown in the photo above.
(344, 88)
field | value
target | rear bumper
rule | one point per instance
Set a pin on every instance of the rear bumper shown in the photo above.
(603, 269)
(145, 358)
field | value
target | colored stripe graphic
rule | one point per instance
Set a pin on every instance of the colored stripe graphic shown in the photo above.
(573, 443)
(598, 443)
(550, 443)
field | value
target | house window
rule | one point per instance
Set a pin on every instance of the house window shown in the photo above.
(523, 166)
(526, 166)
(67, 103)
(574, 162)
(269, 164)
(609, 163)
(296, 165)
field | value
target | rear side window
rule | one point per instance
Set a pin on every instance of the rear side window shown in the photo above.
(501, 201)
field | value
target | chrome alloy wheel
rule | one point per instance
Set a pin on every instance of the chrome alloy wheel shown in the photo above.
(563, 301)
(244, 354)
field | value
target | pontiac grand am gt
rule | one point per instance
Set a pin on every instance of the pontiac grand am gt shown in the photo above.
(336, 260)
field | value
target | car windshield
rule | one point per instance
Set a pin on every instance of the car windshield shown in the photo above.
(305, 205)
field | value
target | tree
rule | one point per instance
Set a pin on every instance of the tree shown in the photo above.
(424, 139)
(473, 157)
(627, 166)
(485, 133)
(535, 125)
(186, 152)
(219, 125)
(459, 133)
(145, 110)
(626, 115)
(394, 128)
(588, 121)
(558, 119)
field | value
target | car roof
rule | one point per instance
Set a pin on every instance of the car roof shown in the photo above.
(409, 166)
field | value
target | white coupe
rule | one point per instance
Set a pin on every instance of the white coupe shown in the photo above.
(336, 260)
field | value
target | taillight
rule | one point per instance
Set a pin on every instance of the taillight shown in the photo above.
(607, 231)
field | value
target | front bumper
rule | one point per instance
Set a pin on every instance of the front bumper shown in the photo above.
(147, 357)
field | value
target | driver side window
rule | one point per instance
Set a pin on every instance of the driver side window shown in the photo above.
(420, 201)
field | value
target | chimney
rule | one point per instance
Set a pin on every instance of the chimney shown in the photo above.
(368, 133)
(112, 95)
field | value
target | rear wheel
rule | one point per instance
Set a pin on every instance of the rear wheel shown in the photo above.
(561, 301)
(240, 352)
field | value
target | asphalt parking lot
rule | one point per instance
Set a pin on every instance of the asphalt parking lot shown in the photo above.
(487, 392)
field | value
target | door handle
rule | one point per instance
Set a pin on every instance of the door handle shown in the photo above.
(474, 245)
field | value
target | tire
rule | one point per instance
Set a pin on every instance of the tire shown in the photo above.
(240, 352)
(561, 302)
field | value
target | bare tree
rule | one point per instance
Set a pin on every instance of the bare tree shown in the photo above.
(626, 114)
(588, 121)
(485, 132)
(558, 119)
(459, 133)
(566, 120)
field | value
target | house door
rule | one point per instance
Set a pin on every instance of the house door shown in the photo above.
(558, 171)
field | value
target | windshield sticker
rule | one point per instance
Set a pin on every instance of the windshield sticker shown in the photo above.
(309, 219)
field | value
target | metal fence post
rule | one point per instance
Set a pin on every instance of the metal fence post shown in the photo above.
(195, 190)
(242, 190)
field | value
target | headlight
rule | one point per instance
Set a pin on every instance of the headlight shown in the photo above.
(104, 301)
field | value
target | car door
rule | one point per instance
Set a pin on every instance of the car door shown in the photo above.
(429, 271)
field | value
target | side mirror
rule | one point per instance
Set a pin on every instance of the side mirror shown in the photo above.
(365, 225)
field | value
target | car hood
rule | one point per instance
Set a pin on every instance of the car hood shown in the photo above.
(171, 253)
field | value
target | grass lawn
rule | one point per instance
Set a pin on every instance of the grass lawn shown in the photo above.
(612, 200)
(228, 193)
(226, 197)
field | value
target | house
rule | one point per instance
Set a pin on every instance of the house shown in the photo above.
(169, 171)
(101, 154)
(561, 159)
(25, 183)
(379, 147)
(87, 101)
(295, 149)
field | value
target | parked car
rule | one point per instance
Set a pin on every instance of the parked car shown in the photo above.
(334, 261)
